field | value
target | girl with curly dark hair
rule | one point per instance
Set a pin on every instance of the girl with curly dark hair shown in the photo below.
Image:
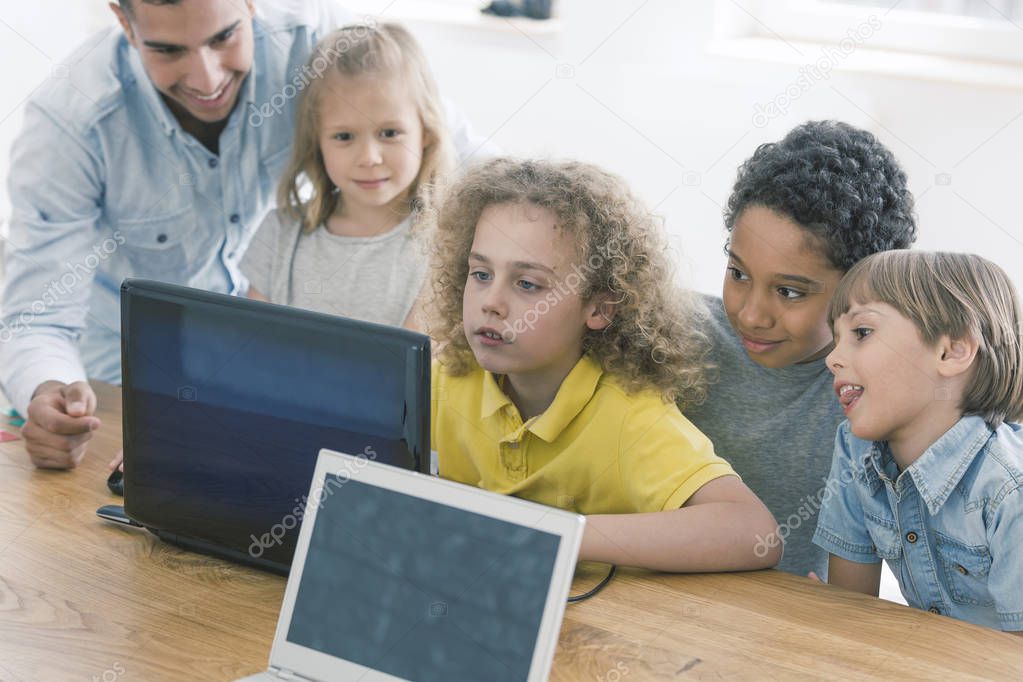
(803, 211)
(563, 342)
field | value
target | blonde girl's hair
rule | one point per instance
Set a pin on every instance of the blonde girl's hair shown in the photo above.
(655, 339)
(958, 295)
(381, 50)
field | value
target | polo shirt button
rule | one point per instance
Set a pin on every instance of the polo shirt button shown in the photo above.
(231, 255)
(161, 238)
(235, 217)
(962, 570)
(911, 537)
(935, 609)
(513, 445)
(213, 163)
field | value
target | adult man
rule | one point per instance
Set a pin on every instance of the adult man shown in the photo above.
(156, 158)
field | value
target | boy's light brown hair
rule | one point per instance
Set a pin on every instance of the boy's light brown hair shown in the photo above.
(656, 338)
(381, 51)
(958, 295)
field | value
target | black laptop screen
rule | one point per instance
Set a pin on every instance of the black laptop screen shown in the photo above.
(421, 590)
(227, 405)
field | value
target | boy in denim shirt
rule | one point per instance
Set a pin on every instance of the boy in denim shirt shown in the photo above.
(928, 470)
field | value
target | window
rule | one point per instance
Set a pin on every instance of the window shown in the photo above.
(963, 40)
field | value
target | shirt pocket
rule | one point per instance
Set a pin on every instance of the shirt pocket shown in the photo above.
(884, 534)
(965, 570)
(156, 247)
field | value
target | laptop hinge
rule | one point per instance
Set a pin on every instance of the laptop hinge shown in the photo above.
(285, 674)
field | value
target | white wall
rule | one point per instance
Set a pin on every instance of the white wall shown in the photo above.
(35, 37)
(643, 98)
(652, 105)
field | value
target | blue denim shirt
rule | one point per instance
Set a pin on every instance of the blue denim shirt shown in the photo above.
(105, 184)
(950, 526)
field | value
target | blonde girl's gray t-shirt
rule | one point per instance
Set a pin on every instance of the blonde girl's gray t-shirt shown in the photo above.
(367, 278)
(776, 427)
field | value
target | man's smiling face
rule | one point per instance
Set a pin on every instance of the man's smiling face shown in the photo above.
(196, 52)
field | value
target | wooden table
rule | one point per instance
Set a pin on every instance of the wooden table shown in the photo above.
(84, 599)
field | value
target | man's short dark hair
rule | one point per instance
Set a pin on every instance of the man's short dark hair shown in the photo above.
(837, 182)
(127, 7)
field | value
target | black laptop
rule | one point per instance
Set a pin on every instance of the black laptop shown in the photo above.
(228, 401)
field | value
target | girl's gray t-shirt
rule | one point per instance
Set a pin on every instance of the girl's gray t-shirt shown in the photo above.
(367, 278)
(776, 427)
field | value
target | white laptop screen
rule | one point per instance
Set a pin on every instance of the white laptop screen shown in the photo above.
(421, 590)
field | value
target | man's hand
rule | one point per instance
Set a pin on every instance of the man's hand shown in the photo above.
(59, 424)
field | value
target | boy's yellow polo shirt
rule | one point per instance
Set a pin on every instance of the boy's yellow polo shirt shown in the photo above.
(595, 450)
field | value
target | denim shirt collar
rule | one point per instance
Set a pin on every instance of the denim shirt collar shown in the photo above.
(939, 469)
(158, 107)
(154, 102)
(874, 465)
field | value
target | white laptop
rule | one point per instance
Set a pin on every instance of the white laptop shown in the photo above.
(403, 576)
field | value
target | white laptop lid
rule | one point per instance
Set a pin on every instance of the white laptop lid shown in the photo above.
(400, 575)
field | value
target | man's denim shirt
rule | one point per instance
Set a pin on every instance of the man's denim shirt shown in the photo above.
(105, 184)
(950, 526)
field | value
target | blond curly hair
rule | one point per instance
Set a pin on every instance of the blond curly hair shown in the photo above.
(655, 339)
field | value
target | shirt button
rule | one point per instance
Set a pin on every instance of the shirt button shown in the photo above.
(962, 570)
(213, 163)
(935, 609)
(911, 537)
(161, 238)
(231, 255)
(235, 217)
(513, 445)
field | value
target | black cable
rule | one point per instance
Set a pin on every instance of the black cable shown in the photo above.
(601, 585)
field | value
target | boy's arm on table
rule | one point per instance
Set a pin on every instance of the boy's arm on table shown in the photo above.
(717, 529)
(841, 527)
(852, 575)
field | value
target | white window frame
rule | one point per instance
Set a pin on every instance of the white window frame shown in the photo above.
(921, 44)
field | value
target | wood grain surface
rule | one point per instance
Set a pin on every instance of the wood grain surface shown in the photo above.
(81, 598)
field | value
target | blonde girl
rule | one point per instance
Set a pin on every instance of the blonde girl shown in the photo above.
(370, 144)
(563, 346)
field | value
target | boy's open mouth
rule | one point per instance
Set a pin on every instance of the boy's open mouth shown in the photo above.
(848, 395)
(490, 336)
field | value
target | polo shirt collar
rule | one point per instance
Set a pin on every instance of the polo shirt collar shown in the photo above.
(574, 393)
(494, 398)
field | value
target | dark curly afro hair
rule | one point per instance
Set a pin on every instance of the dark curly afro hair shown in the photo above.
(837, 182)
